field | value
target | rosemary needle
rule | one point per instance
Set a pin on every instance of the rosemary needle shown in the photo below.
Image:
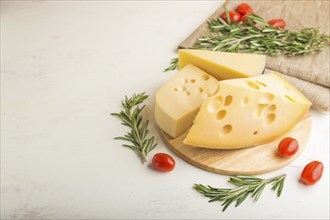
(245, 185)
(131, 116)
(173, 66)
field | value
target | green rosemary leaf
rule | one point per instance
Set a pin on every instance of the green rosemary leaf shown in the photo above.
(122, 138)
(258, 190)
(173, 66)
(235, 180)
(280, 188)
(241, 198)
(278, 185)
(227, 203)
(245, 185)
(227, 14)
(131, 147)
(131, 116)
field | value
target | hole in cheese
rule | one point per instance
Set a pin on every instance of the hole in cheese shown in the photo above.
(252, 84)
(289, 98)
(187, 93)
(261, 83)
(185, 80)
(272, 108)
(214, 104)
(200, 89)
(175, 89)
(245, 101)
(267, 98)
(255, 133)
(226, 129)
(228, 100)
(205, 77)
(221, 114)
(259, 109)
(192, 80)
(270, 118)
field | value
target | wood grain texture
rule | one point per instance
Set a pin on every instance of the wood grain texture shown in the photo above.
(251, 161)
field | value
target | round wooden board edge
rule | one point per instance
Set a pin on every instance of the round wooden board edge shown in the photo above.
(286, 161)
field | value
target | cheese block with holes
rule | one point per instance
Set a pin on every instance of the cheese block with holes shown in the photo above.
(248, 112)
(179, 99)
(223, 65)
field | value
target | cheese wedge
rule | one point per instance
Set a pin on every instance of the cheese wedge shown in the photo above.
(223, 65)
(179, 99)
(248, 112)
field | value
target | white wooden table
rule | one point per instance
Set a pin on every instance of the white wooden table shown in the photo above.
(65, 66)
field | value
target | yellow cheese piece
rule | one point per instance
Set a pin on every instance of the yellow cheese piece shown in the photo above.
(248, 112)
(223, 65)
(179, 99)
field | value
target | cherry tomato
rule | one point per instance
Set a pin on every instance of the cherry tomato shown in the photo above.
(234, 16)
(244, 9)
(287, 147)
(244, 18)
(163, 162)
(277, 23)
(312, 173)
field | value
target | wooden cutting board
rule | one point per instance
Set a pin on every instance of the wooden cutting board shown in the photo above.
(251, 161)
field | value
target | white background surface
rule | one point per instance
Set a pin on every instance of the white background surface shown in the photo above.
(65, 66)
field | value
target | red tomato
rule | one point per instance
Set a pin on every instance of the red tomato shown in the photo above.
(312, 173)
(163, 162)
(234, 16)
(244, 18)
(244, 9)
(277, 23)
(287, 147)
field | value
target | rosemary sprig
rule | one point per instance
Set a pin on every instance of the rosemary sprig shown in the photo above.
(173, 66)
(131, 116)
(256, 36)
(245, 185)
